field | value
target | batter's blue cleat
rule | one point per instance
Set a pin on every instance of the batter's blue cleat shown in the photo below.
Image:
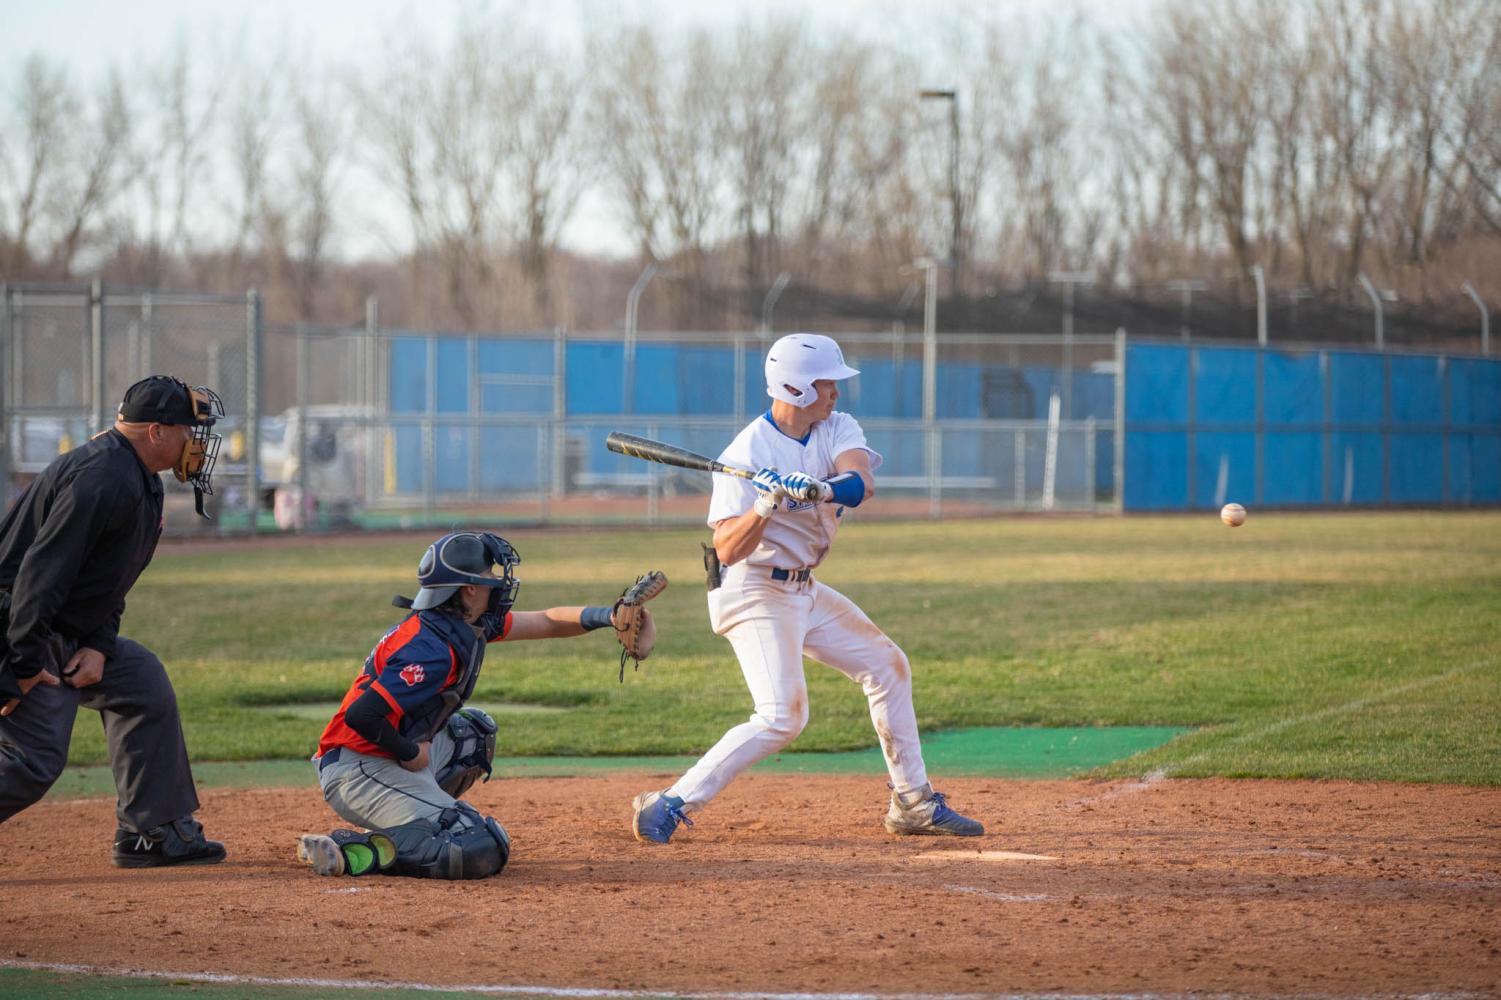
(925, 811)
(657, 816)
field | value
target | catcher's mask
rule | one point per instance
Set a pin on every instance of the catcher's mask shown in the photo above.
(166, 399)
(465, 557)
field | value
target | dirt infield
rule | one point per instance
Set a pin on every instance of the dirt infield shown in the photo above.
(789, 884)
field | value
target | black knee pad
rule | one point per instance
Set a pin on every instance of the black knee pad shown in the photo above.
(473, 733)
(460, 844)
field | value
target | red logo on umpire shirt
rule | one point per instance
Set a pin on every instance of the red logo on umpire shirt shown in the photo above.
(412, 674)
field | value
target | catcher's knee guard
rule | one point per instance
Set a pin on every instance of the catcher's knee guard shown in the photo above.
(460, 844)
(473, 733)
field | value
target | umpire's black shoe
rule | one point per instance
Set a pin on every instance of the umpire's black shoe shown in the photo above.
(180, 842)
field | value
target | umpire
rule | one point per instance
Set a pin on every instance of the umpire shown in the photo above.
(70, 550)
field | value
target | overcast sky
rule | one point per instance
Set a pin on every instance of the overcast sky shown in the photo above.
(90, 35)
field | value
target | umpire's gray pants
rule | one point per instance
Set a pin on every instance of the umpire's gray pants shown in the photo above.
(377, 793)
(153, 781)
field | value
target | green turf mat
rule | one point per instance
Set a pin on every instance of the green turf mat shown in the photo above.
(989, 752)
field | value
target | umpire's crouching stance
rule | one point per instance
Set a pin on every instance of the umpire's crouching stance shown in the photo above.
(70, 550)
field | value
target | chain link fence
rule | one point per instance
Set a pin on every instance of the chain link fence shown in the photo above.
(70, 352)
(364, 427)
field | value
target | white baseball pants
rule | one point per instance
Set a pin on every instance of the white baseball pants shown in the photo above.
(771, 625)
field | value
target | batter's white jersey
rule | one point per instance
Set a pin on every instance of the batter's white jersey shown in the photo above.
(800, 534)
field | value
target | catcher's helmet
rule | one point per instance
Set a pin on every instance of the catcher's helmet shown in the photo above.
(798, 360)
(464, 557)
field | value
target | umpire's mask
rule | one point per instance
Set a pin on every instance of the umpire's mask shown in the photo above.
(465, 557)
(165, 399)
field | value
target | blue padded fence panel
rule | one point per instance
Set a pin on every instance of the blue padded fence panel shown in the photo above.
(1475, 393)
(656, 384)
(1355, 462)
(1294, 390)
(451, 458)
(1156, 470)
(453, 375)
(1224, 386)
(594, 377)
(1236, 452)
(1417, 386)
(408, 375)
(533, 399)
(515, 357)
(1294, 469)
(1156, 385)
(1356, 390)
(1417, 468)
(407, 443)
(704, 374)
(1094, 396)
(508, 460)
(1486, 462)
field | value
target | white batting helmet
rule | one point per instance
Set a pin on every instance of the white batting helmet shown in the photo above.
(798, 360)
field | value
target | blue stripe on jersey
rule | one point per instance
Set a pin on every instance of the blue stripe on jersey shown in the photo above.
(772, 420)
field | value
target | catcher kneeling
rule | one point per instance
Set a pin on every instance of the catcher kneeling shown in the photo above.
(402, 748)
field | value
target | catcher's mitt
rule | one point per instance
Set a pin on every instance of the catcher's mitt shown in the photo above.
(633, 625)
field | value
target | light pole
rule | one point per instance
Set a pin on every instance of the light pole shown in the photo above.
(955, 211)
(632, 301)
(1370, 290)
(769, 303)
(1260, 276)
(1187, 287)
(1485, 317)
(1068, 279)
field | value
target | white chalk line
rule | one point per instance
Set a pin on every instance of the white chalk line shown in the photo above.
(609, 994)
(1153, 778)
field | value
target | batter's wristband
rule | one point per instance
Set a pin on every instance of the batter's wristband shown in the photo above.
(594, 617)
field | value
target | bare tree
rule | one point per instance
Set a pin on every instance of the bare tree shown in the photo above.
(659, 125)
(44, 103)
(547, 165)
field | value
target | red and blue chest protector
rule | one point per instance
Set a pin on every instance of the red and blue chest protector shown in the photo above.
(424, 669)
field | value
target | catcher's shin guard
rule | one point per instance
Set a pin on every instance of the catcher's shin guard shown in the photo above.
(347, 852)
(473, 733)
(460, 844)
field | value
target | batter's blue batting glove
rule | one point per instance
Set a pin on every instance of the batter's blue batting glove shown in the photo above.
(805, 487)
(769, 493)
(767, 481)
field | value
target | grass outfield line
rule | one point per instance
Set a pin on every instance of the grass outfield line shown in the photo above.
(1255, 636)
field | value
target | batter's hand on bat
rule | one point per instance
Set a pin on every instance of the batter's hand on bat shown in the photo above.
(805, 487)
(770, 491)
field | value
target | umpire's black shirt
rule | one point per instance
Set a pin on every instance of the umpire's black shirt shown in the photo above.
(72, 547)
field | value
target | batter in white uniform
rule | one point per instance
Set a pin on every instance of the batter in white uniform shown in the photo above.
(773, 611)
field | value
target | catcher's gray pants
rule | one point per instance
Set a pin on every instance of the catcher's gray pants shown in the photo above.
(377, 793)
(146, 748)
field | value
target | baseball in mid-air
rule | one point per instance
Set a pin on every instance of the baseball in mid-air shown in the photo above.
(1233, 514)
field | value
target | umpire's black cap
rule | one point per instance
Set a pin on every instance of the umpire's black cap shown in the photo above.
(164, 399)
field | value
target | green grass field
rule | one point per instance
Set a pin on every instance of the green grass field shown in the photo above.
(1301, 645)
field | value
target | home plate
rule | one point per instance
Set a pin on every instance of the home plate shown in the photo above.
(982, 856)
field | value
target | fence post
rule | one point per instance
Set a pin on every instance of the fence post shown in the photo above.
(369, 404)
(96, 357)
(1119, 430)
(5, 373)
(252, 404)
(560, 482)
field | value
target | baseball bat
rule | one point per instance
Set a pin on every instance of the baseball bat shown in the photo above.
(668, 454)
